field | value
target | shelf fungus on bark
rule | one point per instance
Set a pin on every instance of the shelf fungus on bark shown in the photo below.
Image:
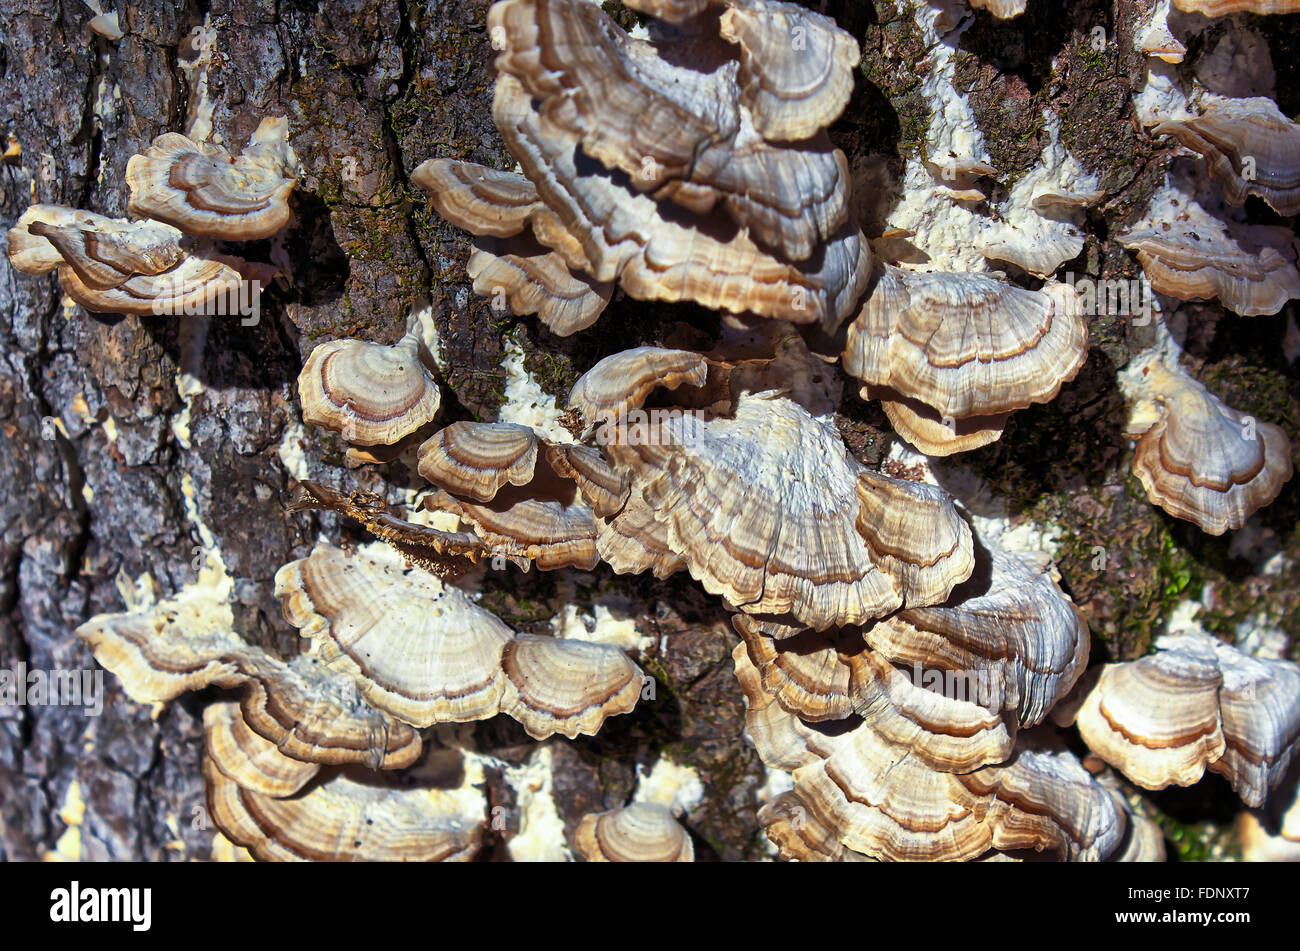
(513, 263)
(798, 834)
(821, 678)
(950, 355)
(476, 460)
(757, 496)
(115, 266)
(554, 685)
(1250, 148)
(415, 647)
(876, 798)
(342, 816)
(308, 711)
(640, 832)
(1199, 459)
(371, 393)
(200, 189)
(674, 125)
(541, 519)
(1196, 703)
(1191, 254)
(649, 170)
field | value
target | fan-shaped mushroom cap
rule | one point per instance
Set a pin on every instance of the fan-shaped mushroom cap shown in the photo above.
(782, 740)
(478, 199)
(1219, 8)
(1249, 148)
(603, 487)
(200, 189)
(619, 382)
(677, 130)
(661, 255)
(878, 799)
(477, 459)
(342, 818)
(1189, 253)
(569, 687)
(754, 547)
(1002, 9)
(111, 265)
(535, 280)
(549, 532)
(1045, 800)
(415, 647)
(1009, 628)
(306, 710)
(793, 89)
(746, 522)
(253, 762)
(640, 832)
(965, 344)
(1197, 702)
(370, 393)
(633, 540)
(815, 675)
(1202, 460)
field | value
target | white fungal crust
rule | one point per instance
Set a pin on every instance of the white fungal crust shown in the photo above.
(640, 832)
(1196, 703)
(200, 189)
(371, 393)
(1202, 460)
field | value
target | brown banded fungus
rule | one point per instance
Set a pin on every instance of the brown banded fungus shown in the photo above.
(308, 711)
(110, 265)
(1196, 703)
(415, 647)
(200, 189)
(1200, 459)
(952, 354)
(370, 393)
(640, 832)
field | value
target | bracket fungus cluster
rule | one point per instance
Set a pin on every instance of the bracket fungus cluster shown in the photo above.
(908, 673)
(190, 195)
(690, 166)
(1196, 703)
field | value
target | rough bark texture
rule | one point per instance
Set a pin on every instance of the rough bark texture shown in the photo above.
(371, 88)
